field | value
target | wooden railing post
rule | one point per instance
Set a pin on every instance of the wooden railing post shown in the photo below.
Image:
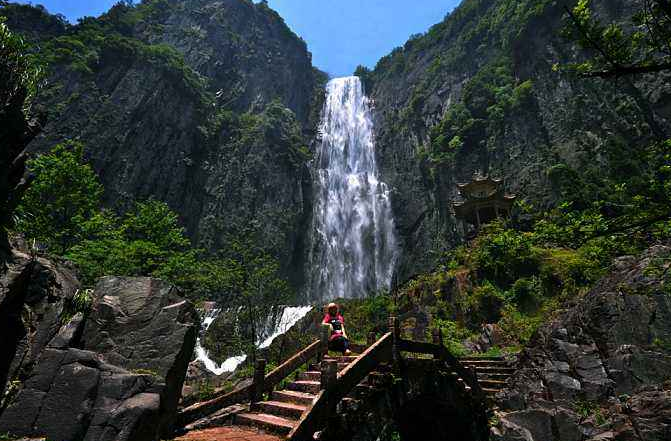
(395, 331)
(372, 338)
(329, 382)
(259, 381)
(324, 335)
(329, 369)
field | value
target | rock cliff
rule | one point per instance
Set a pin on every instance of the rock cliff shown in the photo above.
(480, 92)
(208, 106)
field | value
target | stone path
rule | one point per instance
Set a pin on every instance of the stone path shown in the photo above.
(232, 433)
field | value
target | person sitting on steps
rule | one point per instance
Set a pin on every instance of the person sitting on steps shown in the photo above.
(338, 340)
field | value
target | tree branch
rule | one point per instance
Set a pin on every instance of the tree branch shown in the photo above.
(619, 71)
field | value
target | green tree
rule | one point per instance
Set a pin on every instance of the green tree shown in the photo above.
(643, 46)
(64, 194)
(147, 241)
(259, 287)
(20, 76)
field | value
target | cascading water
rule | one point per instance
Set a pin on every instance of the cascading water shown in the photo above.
(274, 326)
(354, 244)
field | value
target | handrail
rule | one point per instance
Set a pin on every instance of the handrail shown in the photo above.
(352, 375)
(245, 393)
(199, 410)
(324, 404)
(440, 351)
(285, 369)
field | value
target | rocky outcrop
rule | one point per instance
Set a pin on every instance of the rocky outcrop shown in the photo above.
(113, 373)
(35, 300)
(600, 370)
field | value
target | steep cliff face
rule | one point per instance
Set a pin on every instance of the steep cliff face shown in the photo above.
(478, 92)
(206, 105)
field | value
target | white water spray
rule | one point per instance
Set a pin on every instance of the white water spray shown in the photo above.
(290, 316)
(354, 249)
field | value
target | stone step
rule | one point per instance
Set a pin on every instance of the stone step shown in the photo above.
(311, 387)
(292, 396)
(310, 376)
(469, 359)
(271, 423)
(494, 369)
(317, 368)
(284, 410)
(492, 384)
(492, 376)
(490, 391)
(488, 363)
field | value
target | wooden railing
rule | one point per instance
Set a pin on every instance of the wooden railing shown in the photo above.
(442, 353)
(336, 386)
(253, 392)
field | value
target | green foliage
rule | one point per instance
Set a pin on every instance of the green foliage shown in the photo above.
(642, 46)
(81, 302)
(147, 240)
(504, 255)
(62, 209)
(453, 335)
(93, 43)
(363, 316)
(488, 98)
(64, 194)
(590, 409)
(254, 286)
(662, 344)
(20, 74)
(526, 294)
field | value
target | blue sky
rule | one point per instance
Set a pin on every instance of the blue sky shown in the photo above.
(341, 34)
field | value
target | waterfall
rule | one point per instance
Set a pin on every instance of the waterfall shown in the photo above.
(354, 244)
(273, 328)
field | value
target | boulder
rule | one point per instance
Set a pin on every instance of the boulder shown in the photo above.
(114, 376)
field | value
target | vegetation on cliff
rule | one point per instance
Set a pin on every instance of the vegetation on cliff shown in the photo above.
(565, 235)
(189, 105)
(20, 79)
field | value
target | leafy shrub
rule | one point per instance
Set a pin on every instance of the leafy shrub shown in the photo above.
(504, 255)
(454, 335)
(526, 294)
(516, 326)
(65, 193)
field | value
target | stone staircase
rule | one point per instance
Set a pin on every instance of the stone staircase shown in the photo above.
(492, 372)
(281, 413)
